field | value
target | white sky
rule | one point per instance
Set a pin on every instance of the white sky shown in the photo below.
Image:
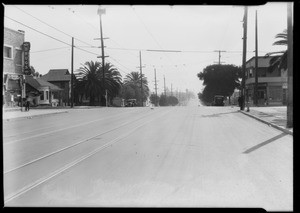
(198, 30)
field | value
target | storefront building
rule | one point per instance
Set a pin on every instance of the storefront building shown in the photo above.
(272, 85)
(12, 66)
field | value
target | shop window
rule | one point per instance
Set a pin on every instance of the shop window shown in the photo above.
(7, 52)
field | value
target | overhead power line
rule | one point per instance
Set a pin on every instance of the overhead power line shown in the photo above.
(37, 30)
(39, 51)
(51, 26)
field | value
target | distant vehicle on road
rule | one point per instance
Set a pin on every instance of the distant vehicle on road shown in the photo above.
(130, 103)
(218, 100)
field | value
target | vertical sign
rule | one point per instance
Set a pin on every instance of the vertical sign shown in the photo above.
(26, 48)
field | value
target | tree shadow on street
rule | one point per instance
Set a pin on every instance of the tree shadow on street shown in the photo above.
(264, 143)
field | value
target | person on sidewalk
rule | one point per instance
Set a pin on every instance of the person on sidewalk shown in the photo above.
(27, 104)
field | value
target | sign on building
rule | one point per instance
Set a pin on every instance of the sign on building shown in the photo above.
(26, 49)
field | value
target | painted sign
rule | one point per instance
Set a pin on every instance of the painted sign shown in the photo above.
(26, 48)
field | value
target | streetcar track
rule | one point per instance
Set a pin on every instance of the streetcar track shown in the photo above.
(73, 145)
(77, 161)
(58, 130)
(54, 125)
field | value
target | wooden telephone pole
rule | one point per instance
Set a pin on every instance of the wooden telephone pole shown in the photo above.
(244, 58)
(141, 73)
(256, 63)
(290, 64)
(219, 55)
(155, 88)
(72, 62)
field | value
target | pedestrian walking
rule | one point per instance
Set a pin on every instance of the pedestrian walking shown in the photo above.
(27, 104)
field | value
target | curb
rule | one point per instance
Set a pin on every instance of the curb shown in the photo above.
(30, 117)
(270, 124)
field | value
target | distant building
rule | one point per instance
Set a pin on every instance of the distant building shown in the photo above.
(272, 86)
(12, 66)
(62, 79)
(41, 92)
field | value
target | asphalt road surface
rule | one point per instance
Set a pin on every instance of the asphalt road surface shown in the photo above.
(193, 156)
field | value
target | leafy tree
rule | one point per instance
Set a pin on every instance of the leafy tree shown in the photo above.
(33, 72)
(219, 79)
(163, 100)
(154, 99)
(172, 101)
(128, 92)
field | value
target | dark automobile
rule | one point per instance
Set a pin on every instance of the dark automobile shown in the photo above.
(218, 100)
(130, 103)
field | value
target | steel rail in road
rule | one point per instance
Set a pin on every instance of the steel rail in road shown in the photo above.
(82, 158)
(77, 143)
(58, 130)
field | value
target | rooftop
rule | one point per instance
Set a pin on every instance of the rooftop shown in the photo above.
(38, 82)
(57, 75)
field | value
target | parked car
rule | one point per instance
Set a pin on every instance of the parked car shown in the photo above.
(218, 100)
(130, 103)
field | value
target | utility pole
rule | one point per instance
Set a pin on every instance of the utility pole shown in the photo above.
(165, 86)
(72, 62)
(244, 57)
(219, 55)
(256, 63)
(290, 64)
(155, 87)
(100, 12)
(141, 73)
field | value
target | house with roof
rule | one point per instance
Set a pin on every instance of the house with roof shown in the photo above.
(62, 79)
(272, 83)
(40, 92)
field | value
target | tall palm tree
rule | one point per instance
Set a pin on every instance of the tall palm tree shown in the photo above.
(279, 61)
(112, 80)
(133, 80)
(88, 75)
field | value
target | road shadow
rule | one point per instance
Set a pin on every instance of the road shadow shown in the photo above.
(217, 114)
(264, 143)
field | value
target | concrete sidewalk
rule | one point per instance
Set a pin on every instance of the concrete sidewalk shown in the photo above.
(18, 114)
(274, 116)
(14, 113)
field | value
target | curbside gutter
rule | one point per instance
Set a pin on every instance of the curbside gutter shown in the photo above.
(32, 116)
(269, 123)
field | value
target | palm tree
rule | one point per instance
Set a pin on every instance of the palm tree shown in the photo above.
(133, 80)
(279, 61)
(112, 81)
(88, 76)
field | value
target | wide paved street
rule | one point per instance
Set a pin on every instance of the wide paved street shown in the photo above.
(192, 156)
